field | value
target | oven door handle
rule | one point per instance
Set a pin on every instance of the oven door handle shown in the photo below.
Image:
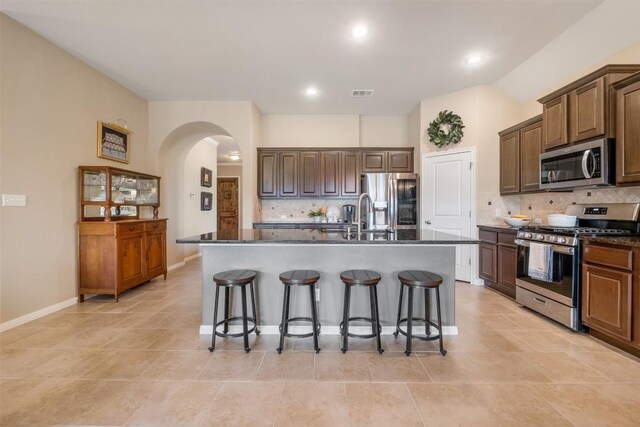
(567, 250)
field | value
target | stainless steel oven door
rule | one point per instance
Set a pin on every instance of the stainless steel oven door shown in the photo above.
(563, 288)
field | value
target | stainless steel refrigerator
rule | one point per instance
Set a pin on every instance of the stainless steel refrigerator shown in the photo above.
(394, 198)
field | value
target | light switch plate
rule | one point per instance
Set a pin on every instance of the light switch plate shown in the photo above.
(498, 212)
(14, 200)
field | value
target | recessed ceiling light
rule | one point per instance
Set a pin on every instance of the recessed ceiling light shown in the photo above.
(473, 59)
(311, 91)
(234, 155)
(360, 31)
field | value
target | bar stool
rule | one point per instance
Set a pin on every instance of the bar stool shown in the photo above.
(234, 279)
(369, 279)
(417, 279)
(291, 278)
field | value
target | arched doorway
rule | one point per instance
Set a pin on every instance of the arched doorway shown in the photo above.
(181, 189)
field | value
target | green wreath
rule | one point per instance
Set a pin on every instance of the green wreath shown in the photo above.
(439, 136)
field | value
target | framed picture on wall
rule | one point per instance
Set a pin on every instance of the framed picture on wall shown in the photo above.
(206, 176)
(113, 142)
(206, 200)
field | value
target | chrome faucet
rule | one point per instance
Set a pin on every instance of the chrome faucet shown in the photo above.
(358, 220)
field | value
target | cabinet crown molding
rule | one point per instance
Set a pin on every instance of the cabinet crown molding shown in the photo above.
(603, 71)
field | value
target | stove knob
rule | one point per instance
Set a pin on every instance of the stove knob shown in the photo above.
(528, 235)
(562, 240)
(553, 239)
(540, 236)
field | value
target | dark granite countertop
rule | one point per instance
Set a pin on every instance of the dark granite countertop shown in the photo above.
(614, 240)
(500, 227)
(300, 224)
(295, 236)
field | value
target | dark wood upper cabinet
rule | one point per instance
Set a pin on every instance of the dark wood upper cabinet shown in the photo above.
(288, 174)
(530, 149)
(322, 172)
(400, 161)
(330, 174)
(309, 184)
(584, 109)
(510, 163)
(350, 165)
(267, 174)
(586, 105)
(374, 161)
(554, 119)
(628, 130)
(520, 148)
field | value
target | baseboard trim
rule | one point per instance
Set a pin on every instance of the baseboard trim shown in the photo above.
(177, 265)
(10, 324)
(194, 256)
(184, 262)
(326, 330)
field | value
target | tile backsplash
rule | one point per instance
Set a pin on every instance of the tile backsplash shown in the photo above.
(296, 210)
(539, 205)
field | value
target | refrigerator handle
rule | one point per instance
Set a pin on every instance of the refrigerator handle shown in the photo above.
(392, 197)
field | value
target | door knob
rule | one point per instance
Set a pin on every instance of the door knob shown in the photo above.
(428, 222)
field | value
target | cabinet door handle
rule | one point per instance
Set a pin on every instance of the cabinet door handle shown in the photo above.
(132, 228)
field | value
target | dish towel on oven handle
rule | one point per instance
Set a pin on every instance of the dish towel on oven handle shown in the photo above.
(541, 262)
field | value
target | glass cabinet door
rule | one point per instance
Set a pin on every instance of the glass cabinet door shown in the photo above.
(94, 183)
(147, 191)
(124, 188)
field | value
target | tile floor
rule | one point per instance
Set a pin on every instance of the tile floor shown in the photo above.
(141, 362)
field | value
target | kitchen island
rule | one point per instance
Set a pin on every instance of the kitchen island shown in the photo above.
(271, 252)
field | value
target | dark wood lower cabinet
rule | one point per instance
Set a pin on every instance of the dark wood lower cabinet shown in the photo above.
(497, 260)
(611, 294)
(488, 262)
(606, 303)
(507, 270)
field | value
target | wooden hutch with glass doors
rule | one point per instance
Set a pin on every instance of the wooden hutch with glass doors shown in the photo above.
(121, 240)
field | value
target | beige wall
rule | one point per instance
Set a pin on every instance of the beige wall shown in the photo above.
(196, 221)
(174, 127)
(383, 131)
(290, 130)
(51, 102)
(414, 136)
(310, 131)
(629, 55)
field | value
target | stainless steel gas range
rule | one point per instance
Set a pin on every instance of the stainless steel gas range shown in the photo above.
(557, 293)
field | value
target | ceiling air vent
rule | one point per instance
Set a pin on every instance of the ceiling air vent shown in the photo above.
(362, 93)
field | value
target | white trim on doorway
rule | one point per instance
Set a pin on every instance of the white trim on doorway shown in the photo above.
(475, 279)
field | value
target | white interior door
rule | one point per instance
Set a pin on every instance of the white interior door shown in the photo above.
(446, 201)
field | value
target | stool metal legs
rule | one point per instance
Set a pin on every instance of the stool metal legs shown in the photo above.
(284, 324)
(314, 317)
(215, 320)
(409, 322)
(428, 324)
(376, 328)
(226, 322)
(345, 318)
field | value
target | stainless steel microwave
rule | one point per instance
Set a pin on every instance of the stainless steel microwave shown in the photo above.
(588, 164)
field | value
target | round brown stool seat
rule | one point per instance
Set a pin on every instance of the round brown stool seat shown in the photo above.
(369, 279)
(426, 280)
(233, 279)
(299, 278)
